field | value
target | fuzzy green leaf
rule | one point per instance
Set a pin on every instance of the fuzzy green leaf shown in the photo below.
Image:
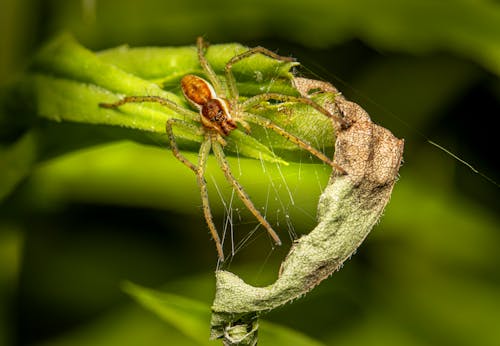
(68, 83)
(167, 65)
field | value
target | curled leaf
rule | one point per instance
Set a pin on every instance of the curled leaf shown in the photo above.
(348, 209)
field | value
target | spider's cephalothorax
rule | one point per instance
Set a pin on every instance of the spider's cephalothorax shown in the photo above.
(215, 112)
(218, 116)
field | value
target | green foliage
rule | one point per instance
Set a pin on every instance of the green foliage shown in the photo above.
(69, 82)
(189, 316)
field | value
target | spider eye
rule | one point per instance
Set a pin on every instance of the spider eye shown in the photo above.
(214, 112)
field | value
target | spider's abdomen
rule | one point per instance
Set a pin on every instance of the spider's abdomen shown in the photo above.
(215, 115)
(197, 90)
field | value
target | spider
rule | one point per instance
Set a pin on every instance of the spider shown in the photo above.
(219, 112)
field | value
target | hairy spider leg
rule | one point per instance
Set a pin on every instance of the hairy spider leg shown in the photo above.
(265, 122)
(233, 93)
(212, 140)
(173, 143)
(200, 176)
(254, 100)
(207, 68)
(199, 170)
(221, 159)
(154, 99)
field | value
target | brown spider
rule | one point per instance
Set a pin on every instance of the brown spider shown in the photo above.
(218, 117)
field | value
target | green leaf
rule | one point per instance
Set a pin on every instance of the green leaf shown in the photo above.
(167, 65)
(192, 318)
(68, 83)
(122, 326)
(65, 58)
(275, 334)
(16, 162)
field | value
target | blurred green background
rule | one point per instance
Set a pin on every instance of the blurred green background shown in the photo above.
(82, 223)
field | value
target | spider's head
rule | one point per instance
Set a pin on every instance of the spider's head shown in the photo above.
(215, 115)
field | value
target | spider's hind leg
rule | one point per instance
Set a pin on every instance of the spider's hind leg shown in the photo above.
(221, 159)
(199, 170)
(200, 176)
(264, 122)
(339, 121)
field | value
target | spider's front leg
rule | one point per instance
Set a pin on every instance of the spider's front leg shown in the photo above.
(233, 93)
(173, 143)
(207, 68)
(152, 99)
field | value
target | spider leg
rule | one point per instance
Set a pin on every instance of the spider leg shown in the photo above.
(221, 159)
(245, 125)
(254, 100)
(231, 82)
(154, 99)
(199, 170)
(207, 68)
(173, 143)
(200, 176)
(264, 122)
